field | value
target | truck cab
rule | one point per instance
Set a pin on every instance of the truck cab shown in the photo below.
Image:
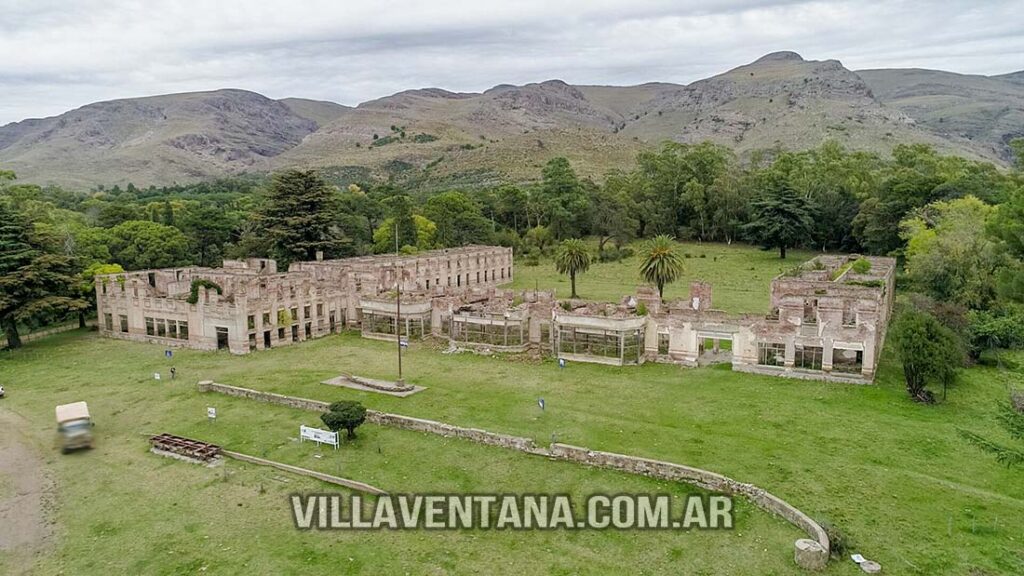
(74, 426)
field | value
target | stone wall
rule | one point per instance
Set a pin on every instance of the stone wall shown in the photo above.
(351, 484)
(633, 464)
(44, 332)
(383, 418)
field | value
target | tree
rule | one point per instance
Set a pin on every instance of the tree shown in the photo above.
(539, 237)
(609, 212)
(949, 255)
(781, 220)
(344, 415)
(572, 259)
(299, 217)
(661, 263)
(208, 228)
(423, 238)
(36, 283)
(458, 219)
(563, 200)
(928, 351)
(141, 245)
(1011, 418)
(87, 285)
(511, 205)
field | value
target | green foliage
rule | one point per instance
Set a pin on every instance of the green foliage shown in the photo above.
(344, 415)
(950, 256)
(661, 263)
(36, 282)
(861, 266)
(928, 351)
(641, 309)
(781, 220)
(142, 245)
(1011, 418)
(458, 219)
(562, 199)
(298, 217)
(197, 283)
(423, 138)
(539, 237)
(424, 238)
(572, 258)
(284, 318)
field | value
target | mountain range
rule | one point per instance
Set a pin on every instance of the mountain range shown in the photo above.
(506, 133)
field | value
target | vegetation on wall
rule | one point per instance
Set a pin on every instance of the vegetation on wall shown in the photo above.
(197, 283)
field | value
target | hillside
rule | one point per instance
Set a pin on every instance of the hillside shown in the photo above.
(432, 137)
(159, 139)
(985, 111)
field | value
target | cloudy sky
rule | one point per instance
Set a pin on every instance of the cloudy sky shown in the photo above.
(55, 55)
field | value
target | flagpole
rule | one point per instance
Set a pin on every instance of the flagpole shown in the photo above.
(398, 304)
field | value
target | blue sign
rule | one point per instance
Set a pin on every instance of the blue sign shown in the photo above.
(168, 353)
(561, 362)
(541, 402)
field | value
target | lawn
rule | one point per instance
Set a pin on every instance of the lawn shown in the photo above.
(893, 476)
(122, 510)
(739, 275)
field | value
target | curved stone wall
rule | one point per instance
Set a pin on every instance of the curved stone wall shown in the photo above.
(808, 556)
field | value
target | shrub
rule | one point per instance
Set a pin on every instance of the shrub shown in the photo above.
(344, 415)
(862, 266)
(641, 309)
(193, 295)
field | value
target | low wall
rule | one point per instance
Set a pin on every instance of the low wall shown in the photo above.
(354, 485)
(633, 464)
(36, 335)
(383, 418)
(702, 478)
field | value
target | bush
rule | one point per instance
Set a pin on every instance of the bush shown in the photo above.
(344, 415)
(861, 266)
(641, 309)
(614, 254)
(193, 296)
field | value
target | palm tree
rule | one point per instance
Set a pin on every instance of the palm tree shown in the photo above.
(661, 263)
(572, 259)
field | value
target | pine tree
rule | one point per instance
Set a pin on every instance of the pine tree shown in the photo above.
(782, 219)
(299, 217)
(35, 284)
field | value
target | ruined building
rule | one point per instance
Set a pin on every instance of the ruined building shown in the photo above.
(827, 318)
(250, 305)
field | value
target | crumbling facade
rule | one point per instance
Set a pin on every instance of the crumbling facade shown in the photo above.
(827, 322)
(249, 305)
(827, 319)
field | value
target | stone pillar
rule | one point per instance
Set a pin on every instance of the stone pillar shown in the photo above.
(790, 353)
(826, 354)
(810, 555)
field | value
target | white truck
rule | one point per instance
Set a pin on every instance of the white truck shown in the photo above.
(74, 425)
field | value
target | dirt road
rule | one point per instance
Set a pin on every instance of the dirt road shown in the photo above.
(26, 495)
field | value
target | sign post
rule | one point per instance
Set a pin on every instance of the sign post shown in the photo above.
(211, 413)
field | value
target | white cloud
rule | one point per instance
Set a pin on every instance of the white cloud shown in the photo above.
(59, 55)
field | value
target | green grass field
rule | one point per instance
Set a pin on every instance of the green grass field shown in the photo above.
(893, 476)
(122, 510)
(739, 275)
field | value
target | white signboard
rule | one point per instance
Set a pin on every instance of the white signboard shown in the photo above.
(319, 436)
(211, 413)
